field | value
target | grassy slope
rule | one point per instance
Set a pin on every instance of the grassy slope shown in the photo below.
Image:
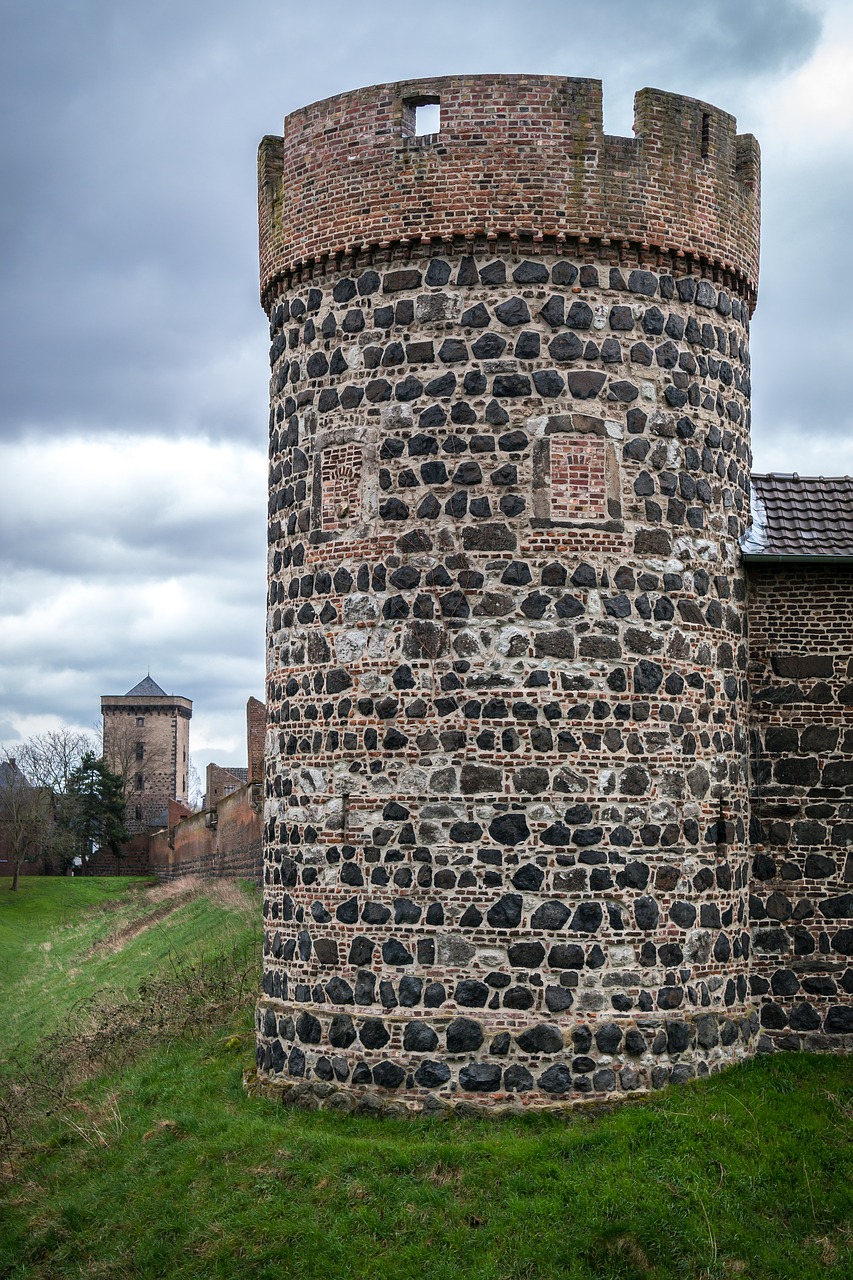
(172, 1171)
(52, 952)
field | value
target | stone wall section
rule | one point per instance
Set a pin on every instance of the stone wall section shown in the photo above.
(801, 905)
(506, 814)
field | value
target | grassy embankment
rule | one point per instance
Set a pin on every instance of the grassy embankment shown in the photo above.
(159, 1166)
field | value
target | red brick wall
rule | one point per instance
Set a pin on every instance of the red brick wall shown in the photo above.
(134, 862)
(231, 848)
(801, 678)
(517, 156)
(256, 728)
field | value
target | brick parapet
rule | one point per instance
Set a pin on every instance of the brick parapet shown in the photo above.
(519, 161)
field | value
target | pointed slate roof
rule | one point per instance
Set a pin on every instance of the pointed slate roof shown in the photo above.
(146, 688)
(800, 517)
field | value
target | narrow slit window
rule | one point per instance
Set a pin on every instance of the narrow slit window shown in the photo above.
(706, 135)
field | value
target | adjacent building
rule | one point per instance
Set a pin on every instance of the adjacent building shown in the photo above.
(147, 741)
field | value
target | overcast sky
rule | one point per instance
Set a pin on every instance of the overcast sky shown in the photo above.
(134, 351)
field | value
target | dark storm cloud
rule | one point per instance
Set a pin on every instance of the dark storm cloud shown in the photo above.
(129, 219)
(128, 294)
(802, 330)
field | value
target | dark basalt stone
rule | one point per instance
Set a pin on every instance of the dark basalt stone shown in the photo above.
(526, 955)
(373, 1033)
(548, 382)
(608, 1038)
(509, 829)
(431, 1075)
(646, 913)
(511, 385)
(513, 312)
(394, 953)
(585, 384)
(517, 1079)
(554, 311)
(494, 273)
(388, 1075)
(471, 994)
(530, 273)
(464, 1035)
(342, 1031)
(587, 918)
(476, 317)
(565, 347)
(541, 1039)
(398, 281)
(643, 282)
(488, 347)
(557, 1079)
(480, 1077)
(506, 913)
(419, 1037)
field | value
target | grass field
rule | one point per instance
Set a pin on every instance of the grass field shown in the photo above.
(165, 1168)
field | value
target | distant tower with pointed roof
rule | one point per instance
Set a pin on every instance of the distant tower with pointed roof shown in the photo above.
(147, 741)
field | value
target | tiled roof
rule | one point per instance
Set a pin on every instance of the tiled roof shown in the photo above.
(147, 688)
(795, 515)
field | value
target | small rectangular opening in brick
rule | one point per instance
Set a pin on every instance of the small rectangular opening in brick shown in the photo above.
(706, 134)
(421, 117)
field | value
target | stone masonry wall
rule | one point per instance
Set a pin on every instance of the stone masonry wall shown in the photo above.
(506, 820)
(801, 906)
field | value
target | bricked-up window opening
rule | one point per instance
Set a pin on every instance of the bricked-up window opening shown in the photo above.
(421, 117)
(706, 134)
(140, 720)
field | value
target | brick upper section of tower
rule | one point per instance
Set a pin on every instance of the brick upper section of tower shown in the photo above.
(518, 156)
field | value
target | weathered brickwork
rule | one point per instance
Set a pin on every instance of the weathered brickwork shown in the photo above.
(222, 842)
(146, 741)
(577, 481)
(518, 157)
(801, 905)
(506, 816)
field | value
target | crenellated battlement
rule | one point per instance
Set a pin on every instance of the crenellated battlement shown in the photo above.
(518, 158)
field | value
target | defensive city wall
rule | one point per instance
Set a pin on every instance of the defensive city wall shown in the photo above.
(507, 818)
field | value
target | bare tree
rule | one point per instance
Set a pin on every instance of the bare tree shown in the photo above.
(24, 817)
(195, 789)
(49, 761)
(129, 751)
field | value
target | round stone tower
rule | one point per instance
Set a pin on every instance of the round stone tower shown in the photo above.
(506, 815)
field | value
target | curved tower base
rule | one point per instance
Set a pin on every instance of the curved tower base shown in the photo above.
(506, 816)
